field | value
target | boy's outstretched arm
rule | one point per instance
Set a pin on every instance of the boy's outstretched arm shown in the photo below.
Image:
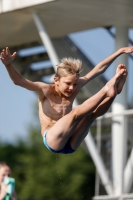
(103, 65)
(16, 77)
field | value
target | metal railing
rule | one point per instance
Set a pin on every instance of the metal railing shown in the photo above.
(99, 125)
(121, 197)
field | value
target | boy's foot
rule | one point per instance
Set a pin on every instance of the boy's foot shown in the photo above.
(123, 78)
(111, 86)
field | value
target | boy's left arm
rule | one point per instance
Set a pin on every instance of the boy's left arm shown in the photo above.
(103, 65)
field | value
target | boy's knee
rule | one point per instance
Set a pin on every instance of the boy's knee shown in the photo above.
(75, 113)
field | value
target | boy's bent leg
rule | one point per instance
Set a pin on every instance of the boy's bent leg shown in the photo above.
(103, 107)
(83, 127)
(109, 90)
(64, 128)
(60, 133)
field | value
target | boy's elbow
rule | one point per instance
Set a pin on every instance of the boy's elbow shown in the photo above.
(101, 70)
(17, 81)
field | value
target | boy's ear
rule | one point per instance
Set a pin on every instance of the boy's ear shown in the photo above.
(56, 79)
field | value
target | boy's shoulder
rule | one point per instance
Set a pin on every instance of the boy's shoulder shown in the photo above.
(44, 85)
(47, 87)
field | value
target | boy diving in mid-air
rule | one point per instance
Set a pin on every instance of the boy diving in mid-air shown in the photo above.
(63, 128)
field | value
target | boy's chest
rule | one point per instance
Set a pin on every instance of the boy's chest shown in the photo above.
(57, 106)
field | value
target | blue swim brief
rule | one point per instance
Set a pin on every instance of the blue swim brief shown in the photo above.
(67, 149)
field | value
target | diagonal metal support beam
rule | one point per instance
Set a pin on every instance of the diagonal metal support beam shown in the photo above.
(46, 40)
(98, 163)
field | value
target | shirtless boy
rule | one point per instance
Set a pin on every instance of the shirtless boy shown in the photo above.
(63, 128)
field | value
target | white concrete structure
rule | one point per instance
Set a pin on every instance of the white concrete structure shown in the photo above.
(59, 17)
(29, 21)
(119, 127)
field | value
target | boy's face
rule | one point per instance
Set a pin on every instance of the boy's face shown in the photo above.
(4, 171)
(67, 85)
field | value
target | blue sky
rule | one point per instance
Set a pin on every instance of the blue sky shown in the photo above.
(15, 108)
(16, 104)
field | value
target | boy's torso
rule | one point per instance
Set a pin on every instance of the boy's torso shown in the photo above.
(52, 107)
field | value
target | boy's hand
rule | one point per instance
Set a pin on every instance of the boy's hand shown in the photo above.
(128, 49)
(6, 57)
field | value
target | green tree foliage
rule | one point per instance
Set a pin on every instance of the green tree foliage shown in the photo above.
(40, 174)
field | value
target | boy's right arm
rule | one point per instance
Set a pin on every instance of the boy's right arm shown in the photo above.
(7, 60)
(103, 65)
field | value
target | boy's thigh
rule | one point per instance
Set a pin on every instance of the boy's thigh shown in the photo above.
(62, 130)
(81, 131)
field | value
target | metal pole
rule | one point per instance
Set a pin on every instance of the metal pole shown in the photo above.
(128, 174)
(114, 197)
(98, 163)
(46, 40)
(119, 127)
(98, 139)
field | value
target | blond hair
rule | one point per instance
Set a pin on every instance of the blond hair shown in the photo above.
(68, 66)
